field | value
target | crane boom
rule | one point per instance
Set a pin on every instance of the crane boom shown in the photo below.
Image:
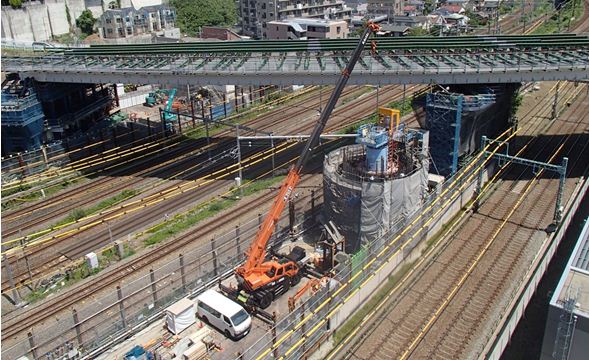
(257, 250)
(171, 95)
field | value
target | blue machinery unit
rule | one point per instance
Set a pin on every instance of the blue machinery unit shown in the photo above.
(375, 138)
(379, 141)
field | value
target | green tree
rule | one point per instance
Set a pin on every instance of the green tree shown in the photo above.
(418, 31)
(428, 6)
(15, 3)
(193, 14)
(86, 22)
(474, 19)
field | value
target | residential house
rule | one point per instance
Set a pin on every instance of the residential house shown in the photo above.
(393, 30)
(409, 10)
(410, 21)
(450, 9)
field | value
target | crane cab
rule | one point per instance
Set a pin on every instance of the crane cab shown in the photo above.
(272, 278)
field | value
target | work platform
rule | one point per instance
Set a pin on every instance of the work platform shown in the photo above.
(469, 59)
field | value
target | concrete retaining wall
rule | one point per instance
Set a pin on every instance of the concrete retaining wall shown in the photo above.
(40, 21)
(16, 24)
(57, 17)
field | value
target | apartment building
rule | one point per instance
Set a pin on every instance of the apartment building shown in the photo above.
(128, 22)
(385, 7)
(255, 14)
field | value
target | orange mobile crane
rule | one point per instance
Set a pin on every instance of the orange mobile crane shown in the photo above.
(262, 280)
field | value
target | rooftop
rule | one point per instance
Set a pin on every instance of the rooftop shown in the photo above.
(575, 278)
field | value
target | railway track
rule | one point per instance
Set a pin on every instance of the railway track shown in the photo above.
(582, 25)
(479, 293)
(440, 315)
(178, 155)
(31, 317)
(160, 167)
(266, 122)
(40, 261)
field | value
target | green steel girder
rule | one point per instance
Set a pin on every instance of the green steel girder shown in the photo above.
(465, 43)
(541, 59)
(163, 62)
(92, 62)
(320, 62)
(506, 59)
(524, 59)
(264, 62)
(220, 63)
(281, 62)
(202, 63)
(299, 61)
(450, 60)
(563, 58)
(363, 63)
(338, 62)
(242, 61)
(400, 59)
(78, 61)
(432, 61)
(186, 62)
(110, 62)
(420, 61)
(469, 61)
(135, 62)
(382, 60)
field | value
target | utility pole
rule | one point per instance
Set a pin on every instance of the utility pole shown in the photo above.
(555, 104)
(238, 154)
(524, 15)
(320, 98)
(559, 13)
(497, 21)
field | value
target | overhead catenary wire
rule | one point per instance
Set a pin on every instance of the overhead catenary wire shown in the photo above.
(74, 165)
(502, 138)
(151, 199)
(228, 193)
(490, 183)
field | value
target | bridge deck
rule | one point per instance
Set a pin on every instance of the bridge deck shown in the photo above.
(416, 60)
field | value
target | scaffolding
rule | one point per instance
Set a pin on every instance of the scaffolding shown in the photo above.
(22, 118)
(443, 119)
(566, 328)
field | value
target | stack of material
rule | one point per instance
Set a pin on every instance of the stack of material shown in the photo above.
(198, 349)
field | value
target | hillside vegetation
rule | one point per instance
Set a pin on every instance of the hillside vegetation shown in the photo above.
(193, 14)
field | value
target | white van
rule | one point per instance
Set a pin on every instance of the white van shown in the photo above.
(224, 314)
